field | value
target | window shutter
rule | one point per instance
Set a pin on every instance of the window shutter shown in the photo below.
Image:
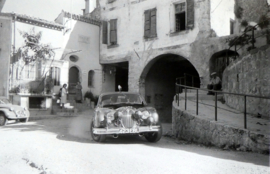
(113, 31)
(190, 14)
(153, 30)
(105, 32)
(147, 24)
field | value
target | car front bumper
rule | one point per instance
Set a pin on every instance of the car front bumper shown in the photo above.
(122, 130)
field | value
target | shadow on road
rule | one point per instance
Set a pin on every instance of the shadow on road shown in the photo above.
(76, 129)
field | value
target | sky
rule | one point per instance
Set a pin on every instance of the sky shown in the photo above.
(44, 9)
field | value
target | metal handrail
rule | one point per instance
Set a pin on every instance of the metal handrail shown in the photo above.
(179, 86)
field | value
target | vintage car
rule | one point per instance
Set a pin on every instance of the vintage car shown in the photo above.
(124, 113)
(9, 111)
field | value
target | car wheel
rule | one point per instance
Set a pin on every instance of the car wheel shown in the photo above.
(3, 119)
(95, 137)
(24, 120)
(154, 136)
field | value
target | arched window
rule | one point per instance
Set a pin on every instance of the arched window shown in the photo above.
(91, 78)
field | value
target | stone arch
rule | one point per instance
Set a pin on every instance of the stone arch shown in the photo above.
(220, 60)
(157, 81)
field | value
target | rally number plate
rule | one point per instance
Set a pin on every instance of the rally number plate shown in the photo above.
(128, 131)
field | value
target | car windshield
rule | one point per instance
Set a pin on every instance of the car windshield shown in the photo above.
(4, 101)
(112, 99)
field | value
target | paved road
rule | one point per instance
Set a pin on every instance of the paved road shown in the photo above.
(63, 145)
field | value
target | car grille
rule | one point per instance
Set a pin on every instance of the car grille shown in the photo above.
(126, 119)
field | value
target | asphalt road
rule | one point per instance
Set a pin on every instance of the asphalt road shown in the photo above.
(63, 145)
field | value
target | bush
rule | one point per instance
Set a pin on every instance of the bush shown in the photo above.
(89, 95)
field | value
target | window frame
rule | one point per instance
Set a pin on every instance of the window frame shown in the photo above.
(177, 13)
(55, 73)
(152, 33)
(27, 76)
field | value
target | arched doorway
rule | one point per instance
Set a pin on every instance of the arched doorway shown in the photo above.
(73, 79)
(159, 78)
(220, 60)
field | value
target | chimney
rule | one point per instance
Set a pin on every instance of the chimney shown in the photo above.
(87, 7)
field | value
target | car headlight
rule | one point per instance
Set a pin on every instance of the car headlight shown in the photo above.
(11, 109)
(100, 116)
(109, 117)
(155, 117)
(145, 115)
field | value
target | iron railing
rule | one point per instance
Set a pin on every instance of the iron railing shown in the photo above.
(179, 90)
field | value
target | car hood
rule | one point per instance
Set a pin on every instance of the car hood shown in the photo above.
(9, 106)
(106, 110)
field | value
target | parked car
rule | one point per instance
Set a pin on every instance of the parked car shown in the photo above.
(9, 111)
(120, 113)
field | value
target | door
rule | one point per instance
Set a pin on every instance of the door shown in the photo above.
(73, 79)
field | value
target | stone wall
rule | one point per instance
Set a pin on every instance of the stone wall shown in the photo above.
(199, 130)
(249, 75)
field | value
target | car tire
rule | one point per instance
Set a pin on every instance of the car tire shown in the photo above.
(154, 136)
(25, 120)
(3, 119)
(95, 137)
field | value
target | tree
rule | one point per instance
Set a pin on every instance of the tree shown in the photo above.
(32, 49)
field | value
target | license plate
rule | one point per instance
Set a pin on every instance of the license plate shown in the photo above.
(128, 131)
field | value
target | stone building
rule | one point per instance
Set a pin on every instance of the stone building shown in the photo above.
(146, 45)
(75, 41)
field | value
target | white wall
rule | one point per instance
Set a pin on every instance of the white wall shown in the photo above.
(221, 13)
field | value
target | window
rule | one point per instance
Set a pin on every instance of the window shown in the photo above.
(113, 32)
(150, 30)
(55, 75)
(29, 71)
(183, 16)
(231, 26)
(104, 32)
(91, 78)
(180, 17)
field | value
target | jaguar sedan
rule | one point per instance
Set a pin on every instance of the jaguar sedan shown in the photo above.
(121, 113)
(9, 111)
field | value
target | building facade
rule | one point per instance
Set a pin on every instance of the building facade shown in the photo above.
(146, 45)
(75, 42)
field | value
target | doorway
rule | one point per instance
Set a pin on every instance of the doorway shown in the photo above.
(73, 79)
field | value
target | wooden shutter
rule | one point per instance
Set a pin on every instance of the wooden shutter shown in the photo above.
(190, 14)
(153, 25)
(113, 31)
(105, 32)
(147, 24)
